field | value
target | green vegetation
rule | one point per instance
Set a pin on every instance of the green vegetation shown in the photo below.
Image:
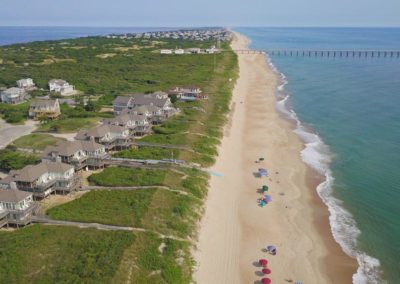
(111, 67)
(170, 258)
(68, 125)
(121, 176)
(147, 153)
(50, 254)
(15, 160)
(36, 141)
(116, 207)
(14, 113)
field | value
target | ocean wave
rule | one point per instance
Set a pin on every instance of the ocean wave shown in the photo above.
(317, 155)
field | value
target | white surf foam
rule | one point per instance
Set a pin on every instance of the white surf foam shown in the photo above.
(316, 154)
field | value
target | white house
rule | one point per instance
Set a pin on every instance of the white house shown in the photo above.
(61, 86)
(25, 83)
(179, 51)
(194, 50)
(13, 95)
(41, 179)
(166, 51)
(16, 207)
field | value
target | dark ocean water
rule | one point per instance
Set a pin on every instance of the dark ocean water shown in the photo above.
(10, 35)
(348, 114)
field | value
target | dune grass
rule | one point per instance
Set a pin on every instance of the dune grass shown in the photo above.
(124, 176)
(36, 141)
(55, 254)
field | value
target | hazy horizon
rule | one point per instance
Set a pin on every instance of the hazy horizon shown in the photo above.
(180, 13)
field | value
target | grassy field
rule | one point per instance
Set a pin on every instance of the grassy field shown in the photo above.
(36, 141)
(116, 207)
(147, 153)
(68, 125)
(52, 254)
(123, 176)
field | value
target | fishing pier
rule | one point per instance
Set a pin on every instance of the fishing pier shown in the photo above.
(324, 53)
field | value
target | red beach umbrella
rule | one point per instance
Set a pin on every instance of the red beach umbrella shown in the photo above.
(266, 271)
(265, 281)
(263, 262)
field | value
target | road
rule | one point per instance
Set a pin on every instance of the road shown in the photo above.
(10, 132)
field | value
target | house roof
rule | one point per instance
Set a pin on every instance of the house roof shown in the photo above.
(13, 196)
(59, 82)
(32, 172)
(68, 148)
(145, 100)
(43, 103)
(99, 131)
(125, 117)
(145, 108)
(13, 91)
(122, 100)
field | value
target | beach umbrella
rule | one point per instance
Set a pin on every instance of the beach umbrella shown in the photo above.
(271, 248)
(266, 271)
(265, 281)
(265, 188)
(268, 198)
(263, 262)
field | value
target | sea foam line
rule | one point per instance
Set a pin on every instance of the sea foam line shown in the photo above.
(316, 154)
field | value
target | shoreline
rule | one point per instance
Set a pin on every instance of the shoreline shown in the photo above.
(234, 229)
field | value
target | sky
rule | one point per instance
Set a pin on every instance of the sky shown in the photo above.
(190, 13)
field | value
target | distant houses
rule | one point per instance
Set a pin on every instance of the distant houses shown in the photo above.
(193, 50)
(62, 87)
(44, 108)
(13, 95)
(166, 51)
(187, 93)
(26, 84)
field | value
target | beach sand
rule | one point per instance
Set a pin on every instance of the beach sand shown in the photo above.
(234, 230)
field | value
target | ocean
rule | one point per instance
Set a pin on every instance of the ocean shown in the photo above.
(11, 35)
(348, 114)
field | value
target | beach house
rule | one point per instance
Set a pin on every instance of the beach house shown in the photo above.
(44, 108)
(81, 154)
(121, 103)
(194, 50)
(16, 207)
(137, 124)
(154, 114)
(42, 179)
(187, 93)
(158, 99)
(61, 86)
(179, 51)
(111, 136)
(166, 51)
(13, 95)
(26, 84)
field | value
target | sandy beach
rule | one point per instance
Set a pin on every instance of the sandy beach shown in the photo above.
(234, 229)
